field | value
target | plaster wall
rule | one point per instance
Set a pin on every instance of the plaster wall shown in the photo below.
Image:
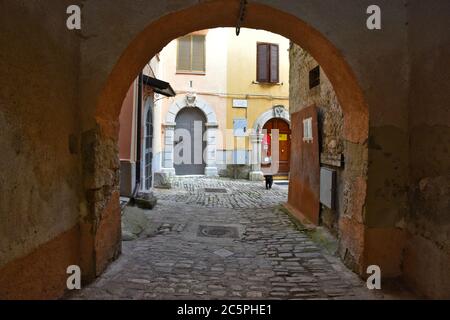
(41, 181)
(127, 126)
(427, 255)
(72, 85)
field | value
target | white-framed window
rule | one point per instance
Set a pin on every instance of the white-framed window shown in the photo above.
(307, 130)
(148, 148)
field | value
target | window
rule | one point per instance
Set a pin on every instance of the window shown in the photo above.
(307, 130)
(267, 65)
(148, 149)
(191, 54)
(314, 77)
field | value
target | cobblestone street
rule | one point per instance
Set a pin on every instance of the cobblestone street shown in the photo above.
(236, 243)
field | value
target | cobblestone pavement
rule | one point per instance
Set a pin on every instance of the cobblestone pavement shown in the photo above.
(239, 193)
(234, 245)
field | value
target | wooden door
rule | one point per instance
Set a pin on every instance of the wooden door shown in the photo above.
(284, 143)
(187, 119)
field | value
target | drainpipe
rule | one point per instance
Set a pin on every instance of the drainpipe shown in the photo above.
(138, 136)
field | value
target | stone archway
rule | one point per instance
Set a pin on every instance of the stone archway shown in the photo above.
(190, 101)
(76, 90)
(256, 138)
(221, 13)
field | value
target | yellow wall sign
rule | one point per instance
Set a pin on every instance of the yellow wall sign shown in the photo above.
(282, 137)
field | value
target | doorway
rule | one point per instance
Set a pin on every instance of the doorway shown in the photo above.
(188, 152)
(284, 145)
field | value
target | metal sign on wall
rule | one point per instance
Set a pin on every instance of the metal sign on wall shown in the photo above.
(327, 187)
(240, 103)
(240, 127)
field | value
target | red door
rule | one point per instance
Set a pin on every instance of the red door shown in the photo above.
(284, 142)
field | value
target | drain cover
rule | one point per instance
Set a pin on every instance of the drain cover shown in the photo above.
(215, 190)
(218, 232)
(224, 253)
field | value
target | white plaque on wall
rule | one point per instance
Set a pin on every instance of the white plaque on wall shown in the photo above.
(327, 187)
(240, 103)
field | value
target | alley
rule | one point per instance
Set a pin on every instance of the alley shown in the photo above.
(223, 239)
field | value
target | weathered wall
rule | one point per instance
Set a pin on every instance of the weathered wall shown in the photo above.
(330, 121)
(333, 145)
(40, 173)
(370, 70)
(126, 132)
(304, 181)
(420, 237)
(426, 262)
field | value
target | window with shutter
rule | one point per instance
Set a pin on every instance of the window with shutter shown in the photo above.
(191, 54)
(263, 63)
(268, 57)
(274, 78)
(184, 53)
(314, 77)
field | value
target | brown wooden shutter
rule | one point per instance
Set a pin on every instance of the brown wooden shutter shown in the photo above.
(274, 63)
(184, 54)
(198, 53)
(263, 60)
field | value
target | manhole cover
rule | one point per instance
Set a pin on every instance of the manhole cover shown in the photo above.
(215, 190)
(218, 232)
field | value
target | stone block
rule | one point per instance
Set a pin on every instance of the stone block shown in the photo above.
(162, 180)
(145, 201)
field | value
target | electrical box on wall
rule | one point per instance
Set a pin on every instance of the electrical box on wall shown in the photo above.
(328, 187)
(240, 127)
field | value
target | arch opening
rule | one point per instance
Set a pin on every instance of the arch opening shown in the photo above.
(219, 14)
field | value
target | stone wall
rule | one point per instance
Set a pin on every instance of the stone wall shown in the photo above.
(422, 236)
(330, 121)
(347, 158)
(426, 262)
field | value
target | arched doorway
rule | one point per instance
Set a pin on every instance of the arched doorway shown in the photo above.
(284, 145)
(211, 124)
(188, 152)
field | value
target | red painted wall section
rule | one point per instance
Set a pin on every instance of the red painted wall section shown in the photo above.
(304, 184)
(126, 125)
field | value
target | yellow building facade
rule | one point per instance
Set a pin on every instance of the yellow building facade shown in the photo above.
(260, 98)
(236, 84)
